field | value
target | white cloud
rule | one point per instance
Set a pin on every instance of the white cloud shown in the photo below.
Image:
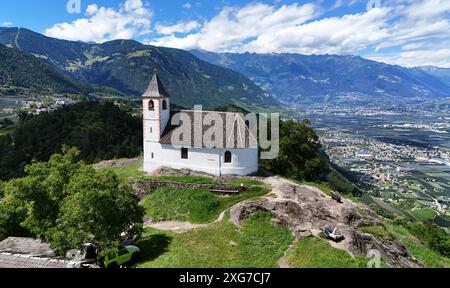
(101, 24)
(7, 24)
(182, 27)
(343, 35)
(233, 27)
(439, 58)
(414, 27)
(421, 53)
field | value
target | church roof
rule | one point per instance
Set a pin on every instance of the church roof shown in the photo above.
(155, 89)
(233, 123)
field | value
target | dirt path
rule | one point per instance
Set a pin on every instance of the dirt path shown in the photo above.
(283, 262)
(181, 227)
(16, 39)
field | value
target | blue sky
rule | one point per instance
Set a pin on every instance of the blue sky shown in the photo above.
(405, 32)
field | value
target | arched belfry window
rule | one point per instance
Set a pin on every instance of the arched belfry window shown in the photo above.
(151, 105)
(164, 105)
(228, 157)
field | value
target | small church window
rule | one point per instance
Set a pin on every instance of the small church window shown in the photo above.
(151, 130)
(151, 105)
(153, 155)
(184, 153)
(228, 157)
(164, 105)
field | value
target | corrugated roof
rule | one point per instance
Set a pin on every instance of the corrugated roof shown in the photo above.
(236, 134)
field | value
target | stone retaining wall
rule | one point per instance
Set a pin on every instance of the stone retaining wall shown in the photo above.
(145, 188)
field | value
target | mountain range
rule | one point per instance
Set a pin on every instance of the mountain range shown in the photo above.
(336, 80)
(127, 66)
(33, 63)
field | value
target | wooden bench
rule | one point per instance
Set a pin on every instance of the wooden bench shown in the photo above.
(225, 192)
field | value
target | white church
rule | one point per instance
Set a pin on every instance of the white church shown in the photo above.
(238, 156)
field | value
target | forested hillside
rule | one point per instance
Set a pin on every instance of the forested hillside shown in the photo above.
(99, 130)
(127, 66)
(20, 71)
(24, 74)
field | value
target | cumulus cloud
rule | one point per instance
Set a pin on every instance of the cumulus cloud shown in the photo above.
(342, 35)
(101, 24)
(181, 27)
(7, 24)
(414, 27)
(419, 53)
(233, 27)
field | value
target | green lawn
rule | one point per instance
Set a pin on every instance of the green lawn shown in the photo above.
(424, 214)
(257, 244)
(195, 205)
(314, 252)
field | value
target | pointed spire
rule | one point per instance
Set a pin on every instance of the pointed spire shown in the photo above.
(155, 88)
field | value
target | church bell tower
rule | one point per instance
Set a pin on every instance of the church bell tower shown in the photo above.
(156, 110)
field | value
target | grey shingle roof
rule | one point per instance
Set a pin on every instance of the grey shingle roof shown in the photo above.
(155, 89)
(18, 252)
(8, 260)
(30, 246)
(233, 124)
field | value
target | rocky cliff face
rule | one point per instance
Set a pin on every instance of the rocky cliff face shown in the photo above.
(306, 211)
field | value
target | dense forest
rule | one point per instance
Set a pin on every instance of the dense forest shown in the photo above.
(99, 130)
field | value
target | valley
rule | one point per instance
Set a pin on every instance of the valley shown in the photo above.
(402, 157)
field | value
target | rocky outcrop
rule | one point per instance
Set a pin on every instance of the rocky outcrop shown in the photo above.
(393, 254)
(307, 211)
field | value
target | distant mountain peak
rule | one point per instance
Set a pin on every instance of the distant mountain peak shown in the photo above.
(347, 80)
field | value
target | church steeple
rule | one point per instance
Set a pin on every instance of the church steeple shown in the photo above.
(155, 110)
(155, 89)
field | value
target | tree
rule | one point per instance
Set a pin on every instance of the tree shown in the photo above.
(298, 157)
(69, 203)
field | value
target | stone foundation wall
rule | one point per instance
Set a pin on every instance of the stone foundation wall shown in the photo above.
(145, 188)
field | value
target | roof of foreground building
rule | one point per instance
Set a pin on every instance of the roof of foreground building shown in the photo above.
(235, 131)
